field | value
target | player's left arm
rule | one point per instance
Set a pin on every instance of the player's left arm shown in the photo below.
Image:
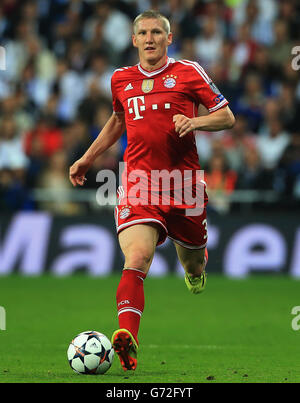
(221, 119)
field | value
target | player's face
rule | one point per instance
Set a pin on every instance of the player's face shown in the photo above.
(151, 40)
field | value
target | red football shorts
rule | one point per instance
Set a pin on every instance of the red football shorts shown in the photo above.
(175, 221)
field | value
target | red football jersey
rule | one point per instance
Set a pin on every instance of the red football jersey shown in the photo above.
(149, 101)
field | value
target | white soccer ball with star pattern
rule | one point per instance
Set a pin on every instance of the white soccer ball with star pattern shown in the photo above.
(90, 353)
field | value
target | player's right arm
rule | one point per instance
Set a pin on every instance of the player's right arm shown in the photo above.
(111, 132)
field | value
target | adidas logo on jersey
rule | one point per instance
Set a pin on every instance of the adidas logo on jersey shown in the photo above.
(129, 87)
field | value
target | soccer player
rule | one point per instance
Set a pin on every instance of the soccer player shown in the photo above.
(156, 101)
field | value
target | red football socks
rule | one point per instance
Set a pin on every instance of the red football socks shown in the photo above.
(131, 300)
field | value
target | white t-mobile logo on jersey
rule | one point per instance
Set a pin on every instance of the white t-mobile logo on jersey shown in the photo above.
(136, 108)
(140, 106)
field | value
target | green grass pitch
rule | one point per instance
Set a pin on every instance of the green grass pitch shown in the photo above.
(236, 331)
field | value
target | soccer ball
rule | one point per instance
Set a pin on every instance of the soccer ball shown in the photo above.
(90, 352)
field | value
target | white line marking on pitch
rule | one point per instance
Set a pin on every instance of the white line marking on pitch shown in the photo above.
(188, 346)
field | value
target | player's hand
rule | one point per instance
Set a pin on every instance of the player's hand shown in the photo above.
(77, 172)
(183, 125)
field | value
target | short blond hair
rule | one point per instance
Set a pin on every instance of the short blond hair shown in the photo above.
(155, 15)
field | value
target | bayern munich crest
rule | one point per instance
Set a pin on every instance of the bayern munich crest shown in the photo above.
(169, 81)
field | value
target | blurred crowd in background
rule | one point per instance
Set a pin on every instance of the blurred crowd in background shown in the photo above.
(55, 91)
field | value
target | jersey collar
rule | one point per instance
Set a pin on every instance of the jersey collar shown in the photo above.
(154, 72)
